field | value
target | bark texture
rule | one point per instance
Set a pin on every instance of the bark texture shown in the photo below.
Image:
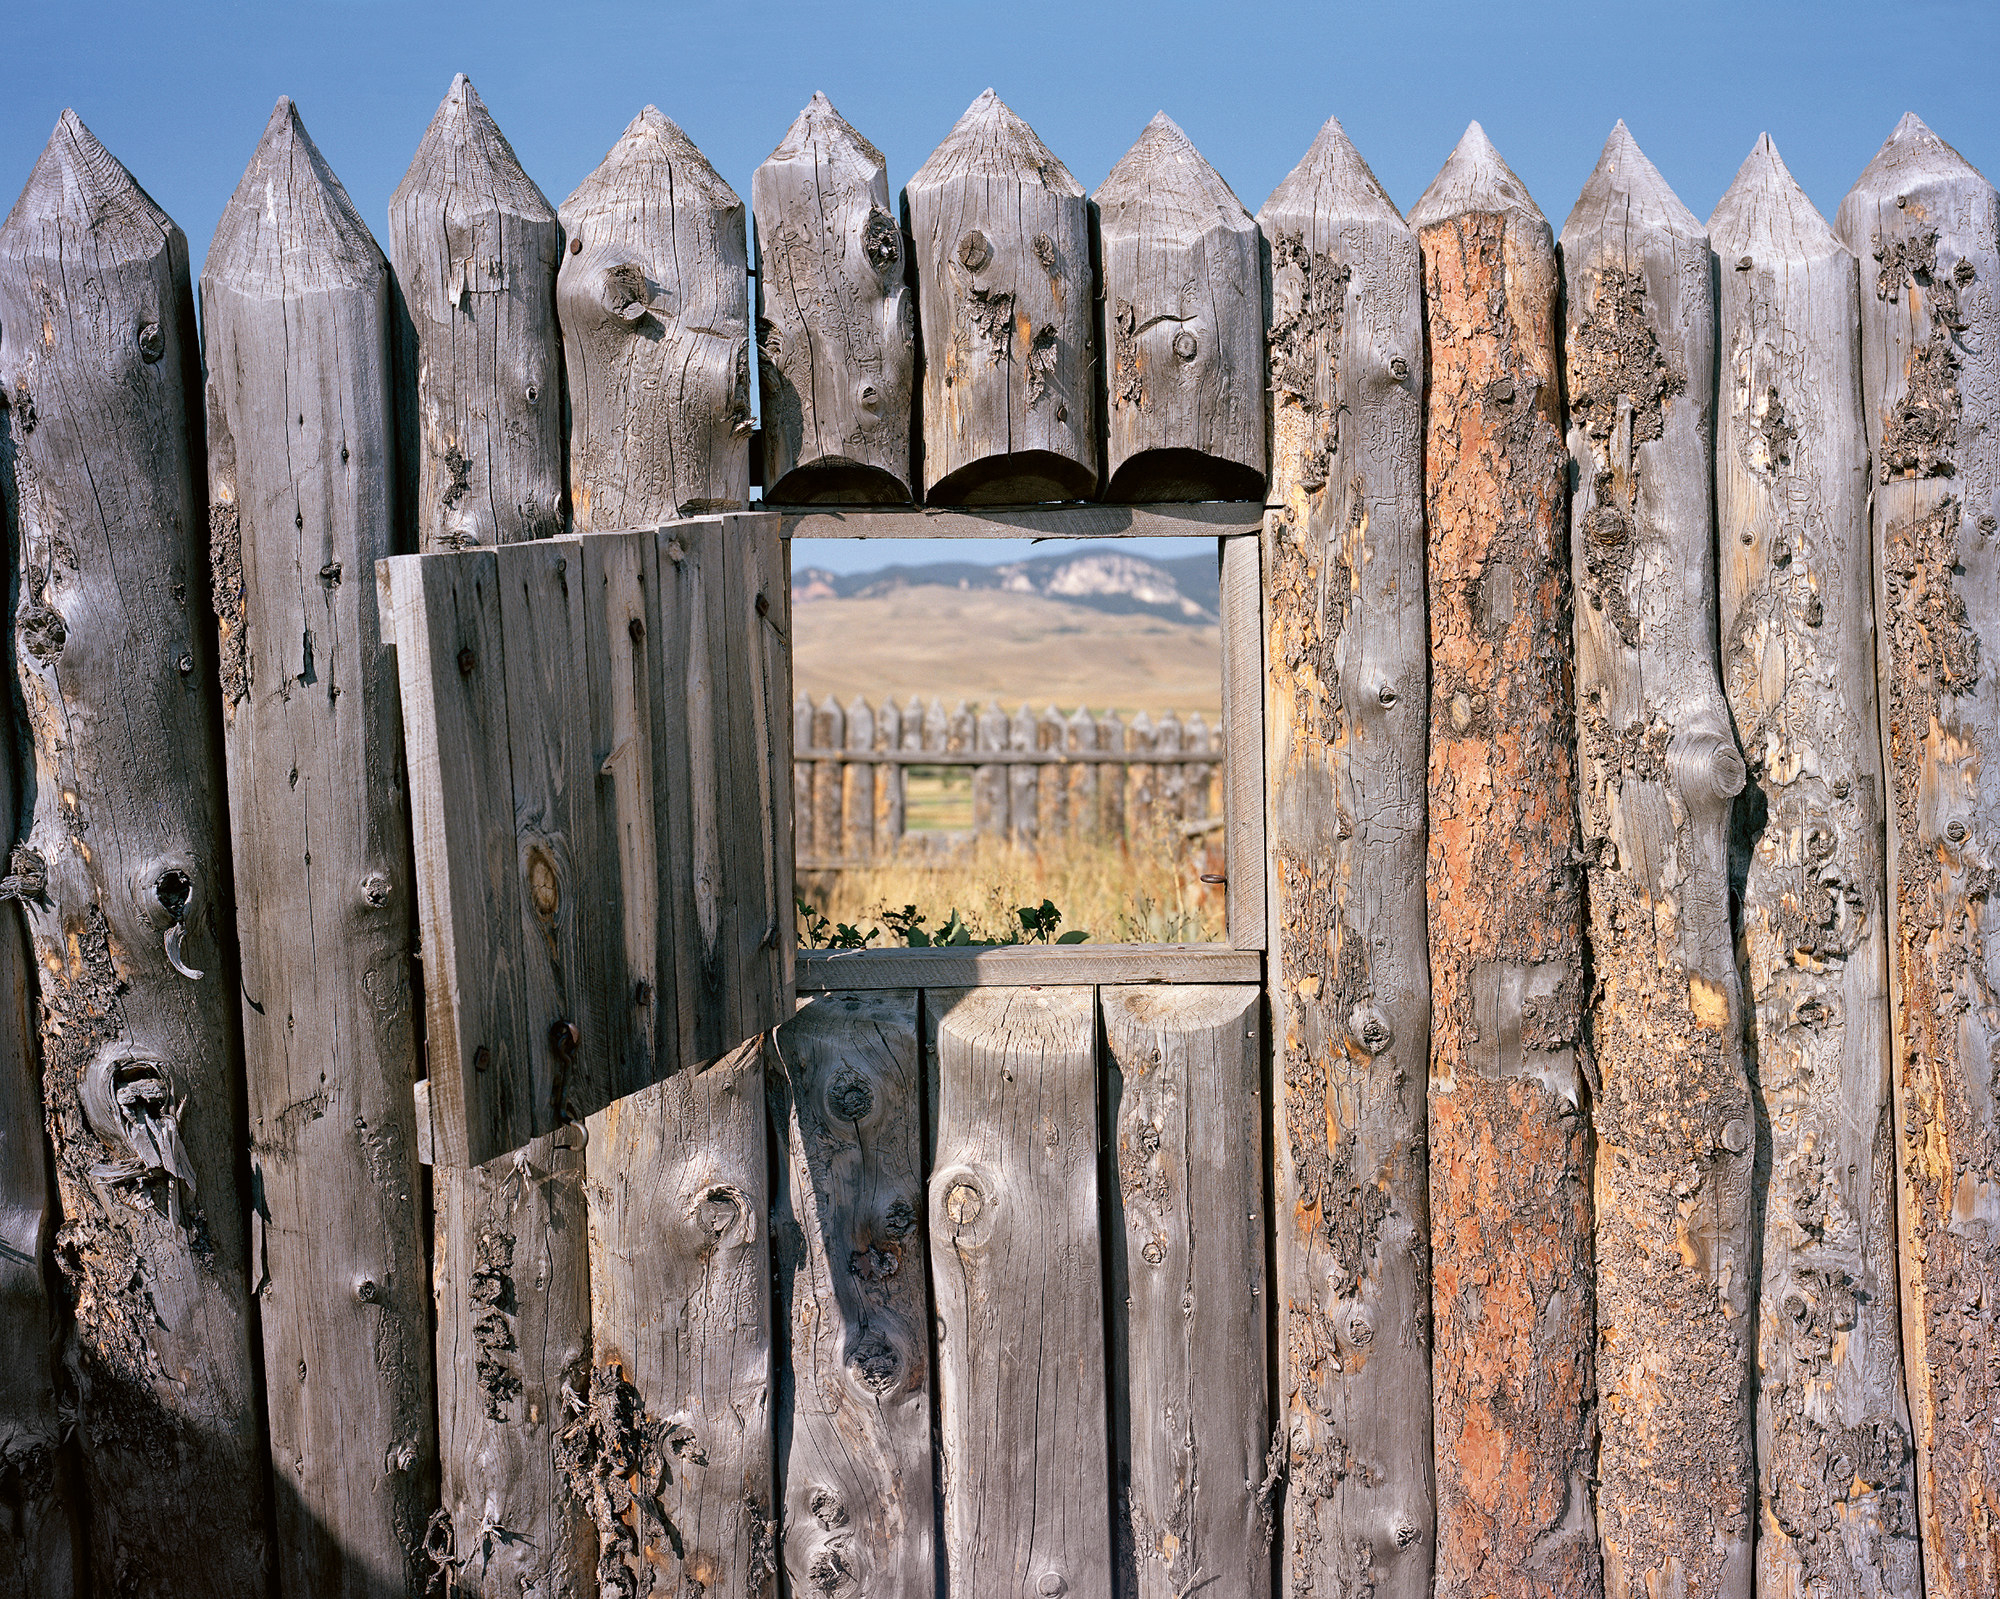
(1659, 769)
(1926, 227)
(1512, 1274)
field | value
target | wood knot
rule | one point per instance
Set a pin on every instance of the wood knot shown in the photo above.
(1369, 1030)
(1184, 345)
(974, 251)
(882, 241)
(376, 890)
(152, 343)
(849, 1096)
(963, 1203)
(468, 661)
(544, 886)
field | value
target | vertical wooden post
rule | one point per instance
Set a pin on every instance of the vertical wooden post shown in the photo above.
(1659, 769)
(1350, 993)
(847, 1098)
(1002, 238)
(888, 778)
(829, 730)
(1023, 817)
(475, 245)
(802, 776)
(296, 337)
(1184, 325)
(1079, 738)
(989, 783)
(1927, 229)
(124, 876)
(1111, 776)
(1015, 1258)
(858, 783)
(1051, 781)
(836, 319)
(1243, 740)
(654, 301)
(1514, 1412)
(1143, 779)
(1187, 1293)
(1169, 782)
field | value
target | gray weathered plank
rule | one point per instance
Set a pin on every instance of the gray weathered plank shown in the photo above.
(1242, 742)
(296, 330)
(673, 1454)
(1658, 770)
(1215, 519)
(475, 245)
(1512, 1396)
(1015, 1264)
(1345, 654)
(123, 870)
(1184, 327)
(846, 1091)
(654, 300)
(1191, 1414)
(1926, 227)
(1002, 239)
(836, 318)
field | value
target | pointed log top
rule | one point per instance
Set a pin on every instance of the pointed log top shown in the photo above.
(290, 225)
(1766, 213)
(820, 127)
(1331, 181)
(632, 167)
(1626, 182)
(463, 151)
(1165, 159)
(1474, 178)
(1910, 156)
(991, 141)
(79, 186)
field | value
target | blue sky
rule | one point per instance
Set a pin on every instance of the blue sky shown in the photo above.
(180, 92)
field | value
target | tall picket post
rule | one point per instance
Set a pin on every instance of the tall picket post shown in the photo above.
(1509, 1146)
(1344, 720)
(297, 340)
(1926, 227)
(1659, 771)
(124, 877)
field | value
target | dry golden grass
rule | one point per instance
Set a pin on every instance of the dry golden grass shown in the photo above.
(1144, 890)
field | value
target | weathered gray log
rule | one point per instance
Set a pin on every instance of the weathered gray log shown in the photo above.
(124, 876)
(1513, 1399)
(1190, 1414)
(296, 336)
(1345, 653)
(1002, 238)
(1015, 1261)
(672, 1455)
(1927, 229)
(846, 1089)
(1184, 324)
(1658, 768)
(654, 301)
(1834, 1478)
(475, 246)
(836, 319)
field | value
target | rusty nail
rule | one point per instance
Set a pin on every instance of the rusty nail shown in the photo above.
(576, 247)
(1743, 265)
(563, 1038)
(1213, 877)
(468, 658)
(642, 992)
(636, 630)
(482, 1057)
(763, 606)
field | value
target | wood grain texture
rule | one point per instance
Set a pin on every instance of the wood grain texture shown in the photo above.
(296, 308)
(1184, 325)
(854, 1408)
(1223, 519)
(1242, 590)
(1186, 1290)
(836, 318)
(475, 246)
(1512, 1390)
(1659, 768)
(1835, 1485)
(1015, 965)
(654, 301)
(673, 1455)
(1016, 1268)
(1344, 654)
(124, 866)
(1926, 228)
(1002, 239)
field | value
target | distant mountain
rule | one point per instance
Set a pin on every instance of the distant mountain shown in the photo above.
(1097, 577)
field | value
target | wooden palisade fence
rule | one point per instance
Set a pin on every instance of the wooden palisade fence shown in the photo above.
(1605, 1020)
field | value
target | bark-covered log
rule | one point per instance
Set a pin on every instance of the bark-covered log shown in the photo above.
(1512, 1390)
(1002, 239)
(836, 319)
(654, 300)
(124, 874)
(296, 330)
(475, 243)
(1926, 227)
(1659, 769)
(1346, 651)
(1834, 1479)
(1184, 322)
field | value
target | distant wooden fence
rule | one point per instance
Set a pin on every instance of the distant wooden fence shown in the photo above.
(1034, 777)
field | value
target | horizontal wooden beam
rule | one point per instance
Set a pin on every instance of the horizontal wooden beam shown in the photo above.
(1021, 965)
(909, 757)
(1213, 519)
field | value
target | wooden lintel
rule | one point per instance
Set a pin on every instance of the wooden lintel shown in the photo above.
(1203, 520)
(1023, 965)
